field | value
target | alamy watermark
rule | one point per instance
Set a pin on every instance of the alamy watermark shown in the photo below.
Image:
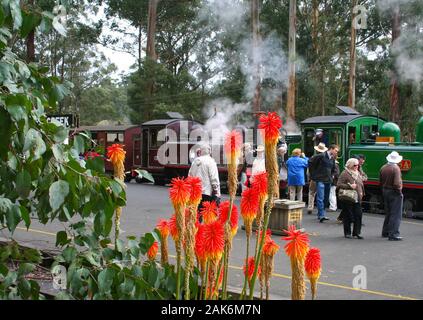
(360, 17)
(360, 280)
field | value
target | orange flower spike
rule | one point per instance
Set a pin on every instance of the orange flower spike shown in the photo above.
(249, 205)
(313, 263)
(260, 184)
(297, 247)
(116, 153)
(223, 216)
(209, 211)
(213, 237)
(270, 123)
(270, 248)
(173, 229)
(180, 192)
(196, 190)
(199, 243)
(251, 264)
(152, 252)
(164, 228)
(233, 144)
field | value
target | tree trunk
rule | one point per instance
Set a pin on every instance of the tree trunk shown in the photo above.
(30, 41)
(255, 11)
(395, 92)
(315, 23)
(151, 58)
(353, 59)
(290, 107)
(139, 45)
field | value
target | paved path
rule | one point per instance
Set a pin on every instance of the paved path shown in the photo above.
(393, 268)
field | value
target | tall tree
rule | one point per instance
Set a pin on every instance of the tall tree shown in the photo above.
(255, 25)
(353, 57)
(292, 57)
(395, 90)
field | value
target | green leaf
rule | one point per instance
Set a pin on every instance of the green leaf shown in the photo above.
(62, 238)
(145, 174)
(146, 242)
(78, 144)
(5, 132)
(16, 14)
(96, 164)
(69, 254)
(5, 205)
(23, 184)
(13, 217)
(35, 143)
(57, 193)
(25, 216)
(105, 280)
(25, 268)
(30, 21)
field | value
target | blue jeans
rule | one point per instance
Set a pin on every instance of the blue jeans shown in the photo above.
(323, 190)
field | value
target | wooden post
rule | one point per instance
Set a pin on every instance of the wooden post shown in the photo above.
(353, 59)
(290, 107)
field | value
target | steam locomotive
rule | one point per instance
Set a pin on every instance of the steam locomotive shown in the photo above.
(374, 138)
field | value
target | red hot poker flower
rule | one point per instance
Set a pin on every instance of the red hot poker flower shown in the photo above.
(209, 211)
(223, 216)
(196, 189)
(180, 192)
(233, 143)
(199, 243)
(173, 228)
(152, 252)
(163, 227)
(270, 248)
(260, 184)
(213, 239)
(270, 123)
(116, 153)
(313, 264)
(250, 271)
(249, 204)
(297, 246)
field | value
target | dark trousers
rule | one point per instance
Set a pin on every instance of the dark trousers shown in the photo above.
(352, 214)
(393, 201)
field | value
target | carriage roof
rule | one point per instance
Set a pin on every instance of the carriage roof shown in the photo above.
(106, 128)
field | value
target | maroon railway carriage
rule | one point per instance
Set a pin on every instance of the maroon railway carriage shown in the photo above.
(180, 129)
(128, 135)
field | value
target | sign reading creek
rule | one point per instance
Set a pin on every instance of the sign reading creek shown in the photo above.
(67, 120)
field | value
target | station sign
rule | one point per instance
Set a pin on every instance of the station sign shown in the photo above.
(67, 120)
(405, 165)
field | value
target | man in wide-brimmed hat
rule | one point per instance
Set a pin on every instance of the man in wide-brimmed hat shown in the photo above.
(391, 184)
(321, 147)
(322, 169)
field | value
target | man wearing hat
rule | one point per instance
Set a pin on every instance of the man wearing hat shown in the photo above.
(205, 168)
(391, 184)
(312, 184)
(259, 163)
(322, 172)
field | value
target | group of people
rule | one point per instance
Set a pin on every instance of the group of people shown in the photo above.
(325, 182)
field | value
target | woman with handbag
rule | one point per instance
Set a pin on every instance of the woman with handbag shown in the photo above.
(350, 193)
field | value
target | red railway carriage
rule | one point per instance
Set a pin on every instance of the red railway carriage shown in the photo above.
(174, 132)
(128, 135)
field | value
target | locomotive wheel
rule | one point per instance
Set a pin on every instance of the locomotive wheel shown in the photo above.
(408, 209)
(374, 203)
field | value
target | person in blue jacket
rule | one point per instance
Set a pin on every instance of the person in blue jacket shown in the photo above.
(296, 171)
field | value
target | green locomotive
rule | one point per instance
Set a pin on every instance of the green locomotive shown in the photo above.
(375, 138)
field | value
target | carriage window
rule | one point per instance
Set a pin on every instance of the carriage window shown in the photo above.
(309, 143)
(115, 137)
(153, 139)
(335, 137)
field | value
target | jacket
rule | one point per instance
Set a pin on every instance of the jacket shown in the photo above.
(390, 177)
(321, 168)
(344, 181)
(205, 168)
(296, 167)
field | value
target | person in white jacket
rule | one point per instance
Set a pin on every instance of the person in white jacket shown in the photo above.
(205, 168)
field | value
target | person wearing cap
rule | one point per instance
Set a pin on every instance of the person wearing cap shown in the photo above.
(323, 169)
(312, 184)
(391, 183)
(205, 168)
(296, 166)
